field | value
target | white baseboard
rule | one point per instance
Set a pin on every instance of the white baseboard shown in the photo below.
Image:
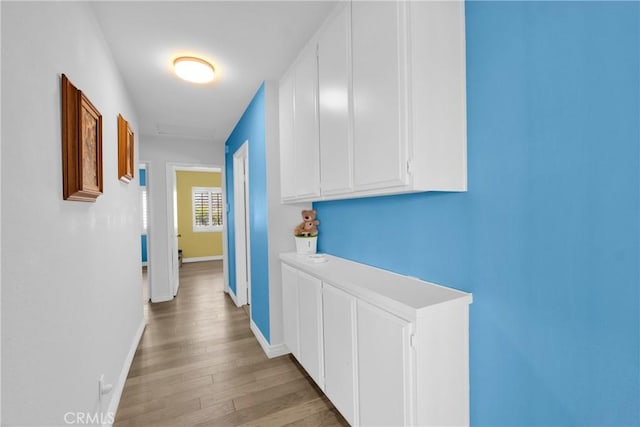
(202, 258)
(233, 298)
(270, 350)
(162, 298)
(119, 386)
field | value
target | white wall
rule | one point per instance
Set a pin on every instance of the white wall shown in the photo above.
(282, 218)
(0, 239)
(71, 277)
(157, 151)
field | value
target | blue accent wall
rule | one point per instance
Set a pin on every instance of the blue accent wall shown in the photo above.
(547, 237)
(251, 127)
(143, 247)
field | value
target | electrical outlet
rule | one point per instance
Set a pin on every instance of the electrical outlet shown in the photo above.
(103, 388)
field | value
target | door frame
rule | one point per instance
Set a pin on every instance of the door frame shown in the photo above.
(142, 164)
(172, 215)
(242, 230)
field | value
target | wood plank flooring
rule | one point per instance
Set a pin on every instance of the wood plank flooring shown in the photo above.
(198, 364)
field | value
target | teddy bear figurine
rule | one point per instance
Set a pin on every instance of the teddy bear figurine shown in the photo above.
(309, 225)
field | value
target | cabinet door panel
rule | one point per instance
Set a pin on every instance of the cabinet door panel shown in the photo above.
(383, 367)
(287, 153)
(305, 129)
(380, 144)
(338, 314)
(290, 309)
(334, 106)
(310, 332)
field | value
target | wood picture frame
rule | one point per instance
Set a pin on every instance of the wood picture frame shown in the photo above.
(125, 150)
(81, 145)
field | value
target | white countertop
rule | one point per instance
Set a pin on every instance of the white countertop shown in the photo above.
(405, 296)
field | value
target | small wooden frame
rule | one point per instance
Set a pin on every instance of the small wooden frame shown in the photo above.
(125, 150)
(81, 145)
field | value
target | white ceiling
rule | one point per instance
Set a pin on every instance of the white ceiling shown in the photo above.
(246, 41)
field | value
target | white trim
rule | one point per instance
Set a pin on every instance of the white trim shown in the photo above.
(172, 229)
(242, 234)
(162, 298)
(270, 350)
(233, 297)
(119, 386)
(145, 164)
(209, 229)
(186, 168)
(225, 233)
(202, 258)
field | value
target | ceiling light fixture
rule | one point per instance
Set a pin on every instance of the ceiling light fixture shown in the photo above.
(194, 70)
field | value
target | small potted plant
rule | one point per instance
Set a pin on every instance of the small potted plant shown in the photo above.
(306, 233)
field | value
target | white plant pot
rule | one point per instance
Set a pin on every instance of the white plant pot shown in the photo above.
(306, 245)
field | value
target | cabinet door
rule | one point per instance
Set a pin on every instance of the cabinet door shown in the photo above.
(378, 55)
(310, 332)
(305, 128)
(334, 106)
(384, 367)
(287, 153)
(338, 314)
(290, 309)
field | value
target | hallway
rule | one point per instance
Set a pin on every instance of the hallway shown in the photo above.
(198, 364)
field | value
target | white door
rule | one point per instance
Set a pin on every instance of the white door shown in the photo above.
(379, 128)
(384, 367)
(290, 309)
(172, 217)
(241, 223)
(310, 323)
(338, 317)
(334, 106)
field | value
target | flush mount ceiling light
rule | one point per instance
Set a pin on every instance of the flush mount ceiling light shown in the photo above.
(194, 70)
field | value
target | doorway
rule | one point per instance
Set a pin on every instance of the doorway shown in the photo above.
(241, 224)
(143, 181)
(172, 218)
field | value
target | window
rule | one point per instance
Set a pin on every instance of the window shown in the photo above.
(207, 209)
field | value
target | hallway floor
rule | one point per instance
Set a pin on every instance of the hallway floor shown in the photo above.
(198, 364)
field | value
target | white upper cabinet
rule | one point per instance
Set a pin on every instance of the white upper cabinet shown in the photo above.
(299, 150)
(380, 146)
(390, 103)
(334, 105)
(287, 153)
(305, 126)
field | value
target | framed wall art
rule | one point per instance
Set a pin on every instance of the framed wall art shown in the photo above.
(125, 150)
(81, 145)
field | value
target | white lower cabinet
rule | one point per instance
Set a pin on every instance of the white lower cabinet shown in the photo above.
(290, 313)
(387, 349)
(339, 323)
(384, 368)
(302, 320)
(310, 326)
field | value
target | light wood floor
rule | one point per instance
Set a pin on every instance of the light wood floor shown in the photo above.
(198, 364)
